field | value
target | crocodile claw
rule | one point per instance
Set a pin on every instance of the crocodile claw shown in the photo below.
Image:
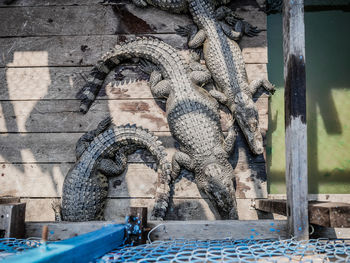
(247, 29)
(147, 66)
(103, 125)
(183, 31)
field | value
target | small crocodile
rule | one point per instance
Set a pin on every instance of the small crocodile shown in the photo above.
(102, 153)
(223, 58)
(192, 113)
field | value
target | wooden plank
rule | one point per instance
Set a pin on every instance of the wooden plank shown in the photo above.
(100, 20)
(343, 198)
(87, 50)
(87, 20)
(295, 117)
(327, 214)
(40, 210)
(89, 247)
(340, 215)
(271, 206)
(55, 148)
(254, 229)
(46, 180)
(12, 219)
(138, 217)
(53, 83)
(247, 211)
(59, 148)
(64, 116)
(4, 199)
(330, 232)
(174, 229)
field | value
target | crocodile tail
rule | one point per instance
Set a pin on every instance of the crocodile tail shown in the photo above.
(94, 83)
(149, 48)
(85, 190)
(148, 140)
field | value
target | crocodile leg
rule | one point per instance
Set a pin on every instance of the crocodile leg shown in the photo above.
(200, 74)
(195, 38)
(264, 83)
(230, 139)
(229, 32)
(85, 140)
(181, 159)
(219, 96)
(109, 168)
(159, 87)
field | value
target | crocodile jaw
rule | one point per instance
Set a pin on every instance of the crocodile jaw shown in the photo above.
(216, 181)
(247, 116)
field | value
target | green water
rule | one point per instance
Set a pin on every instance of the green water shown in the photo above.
(328, 103)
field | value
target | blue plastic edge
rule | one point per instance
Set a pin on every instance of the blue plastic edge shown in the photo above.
(83, 248)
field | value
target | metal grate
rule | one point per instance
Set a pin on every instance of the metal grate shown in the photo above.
(229, 250)
(11, 246)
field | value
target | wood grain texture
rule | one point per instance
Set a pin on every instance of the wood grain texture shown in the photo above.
(59, 148)
(327, 214)
(39, 209)
(64, 116)
(330, 232)
(12, 220)
(53, 83)
(201, 229)
(64, 230)
(124, 18)
(87, 50)
(295, 118)
(343, 198)
(46, 179)
(86, 20)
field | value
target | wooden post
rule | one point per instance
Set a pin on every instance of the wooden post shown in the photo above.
(12, 217)
(141, 213)
(295, 117)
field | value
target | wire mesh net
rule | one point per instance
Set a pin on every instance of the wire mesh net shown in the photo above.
(11, 246)
(229, 250)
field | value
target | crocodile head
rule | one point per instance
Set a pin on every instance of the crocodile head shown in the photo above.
(247, 117)
(216, 181)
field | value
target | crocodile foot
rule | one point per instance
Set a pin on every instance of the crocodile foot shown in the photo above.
(246, 28)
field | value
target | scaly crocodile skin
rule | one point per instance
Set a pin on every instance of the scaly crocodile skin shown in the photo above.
(102, 153)
(224, 60)
(192, 113)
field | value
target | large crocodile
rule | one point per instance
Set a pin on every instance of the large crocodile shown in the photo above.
(223, 58)
(102, 153)
(192, 113)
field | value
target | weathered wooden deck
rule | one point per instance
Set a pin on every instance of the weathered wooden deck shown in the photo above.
(46, 51)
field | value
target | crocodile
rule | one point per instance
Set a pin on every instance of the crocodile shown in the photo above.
(102, 153)
(192, 114)
(218, 30)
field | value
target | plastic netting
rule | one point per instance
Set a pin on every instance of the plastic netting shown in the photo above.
(11, 246)
(229, 250)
